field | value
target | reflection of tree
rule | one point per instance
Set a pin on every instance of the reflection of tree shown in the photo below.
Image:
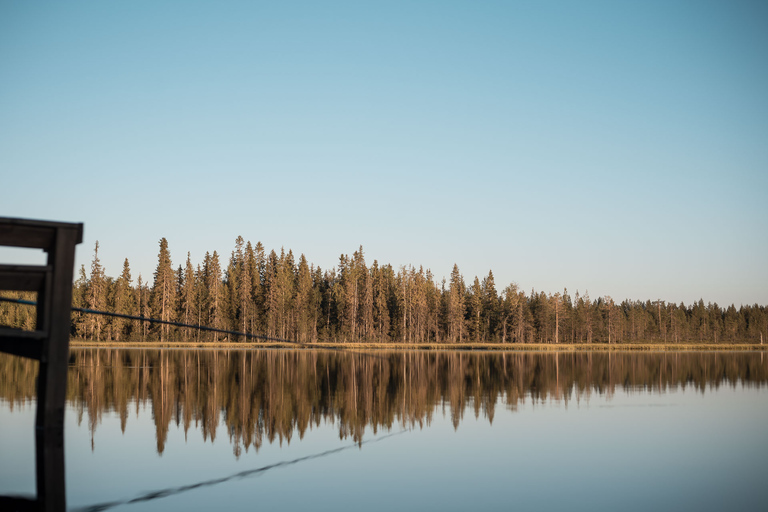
(276, 394)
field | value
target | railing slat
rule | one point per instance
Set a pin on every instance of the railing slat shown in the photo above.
(23, 278)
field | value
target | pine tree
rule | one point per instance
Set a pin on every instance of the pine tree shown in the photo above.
(348, 296)
(510, 318)
(249, 289)
(259, 287)
(188, 296)
(557, 303)
(456, 307)
(303, 304)
(272, 294)
(318, 290)
(365, 298)
(124, 302)
(231, 289)
(142, 300)
(214, 300)
(380, 309)
(286, 276)
(97, 295)
(432, 297)
(401, 304)
(80, 300)
(491, 307)
(475, 305)
(340, 292)
(418, 304)
(163, 298)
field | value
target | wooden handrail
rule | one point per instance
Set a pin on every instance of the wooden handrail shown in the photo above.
(48, 343)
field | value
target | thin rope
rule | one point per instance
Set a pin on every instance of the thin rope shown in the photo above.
(157, 321)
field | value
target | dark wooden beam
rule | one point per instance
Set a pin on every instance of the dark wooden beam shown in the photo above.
(23, 278)
(21, 343)
(49, 344)
(52, 375)
(33, 234)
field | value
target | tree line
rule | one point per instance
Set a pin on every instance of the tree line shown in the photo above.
(275, 295)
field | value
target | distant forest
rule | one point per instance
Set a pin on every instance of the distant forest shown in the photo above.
(274, 295)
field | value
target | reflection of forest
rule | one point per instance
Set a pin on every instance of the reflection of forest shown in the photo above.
(275, 394)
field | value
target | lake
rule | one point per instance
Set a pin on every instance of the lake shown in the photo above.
(382, 430)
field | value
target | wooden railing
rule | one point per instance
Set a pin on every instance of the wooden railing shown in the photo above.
(48, 343)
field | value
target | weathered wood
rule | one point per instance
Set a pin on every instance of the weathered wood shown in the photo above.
(12, 332)
(52, 376)
(32, 234)
(49, 343)
(26, 236)
(23, 278)
(21, 343)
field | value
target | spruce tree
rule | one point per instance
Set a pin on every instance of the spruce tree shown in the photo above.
(491, 307)
(80, 300)
(252, 271)
(475, 305)
(287, 284)
(244, 286)
(271, 294)
(163, 298)
(97, 295)
(124, 302)
(214, 293)
(187, 296)
(456, 307)
(303, 304)
(380, 309)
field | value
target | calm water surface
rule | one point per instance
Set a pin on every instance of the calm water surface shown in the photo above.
(329, 430)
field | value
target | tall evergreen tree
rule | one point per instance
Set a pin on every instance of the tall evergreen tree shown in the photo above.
(475, 306)
(286, 275)
(365, 298)
(303, 305)
(491, 307)
(272, 295)
(249, 289)
(188, 296)
(456, 307)
(380, 309)
(557, 304)
(511, 315)
(142, 300)
(97, 294)
(80, 300)
(163, 298)
(214, 293)
(124, 302)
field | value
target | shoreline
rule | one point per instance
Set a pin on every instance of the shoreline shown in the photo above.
(508, 347)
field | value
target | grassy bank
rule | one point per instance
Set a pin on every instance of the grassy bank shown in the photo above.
(434, 346)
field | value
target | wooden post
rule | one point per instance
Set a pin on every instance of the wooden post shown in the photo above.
(49, 343)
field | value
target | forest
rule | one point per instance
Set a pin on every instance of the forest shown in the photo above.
(274, 295)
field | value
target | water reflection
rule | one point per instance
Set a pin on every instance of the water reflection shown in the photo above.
(274, 395)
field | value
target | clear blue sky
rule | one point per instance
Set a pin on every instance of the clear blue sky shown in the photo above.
(615, 147)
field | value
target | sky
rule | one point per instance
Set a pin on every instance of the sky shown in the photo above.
(615, 148)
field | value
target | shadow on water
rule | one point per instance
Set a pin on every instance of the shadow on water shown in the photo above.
(150, 496)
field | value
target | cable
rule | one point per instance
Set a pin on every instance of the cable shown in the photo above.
(156, 321)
